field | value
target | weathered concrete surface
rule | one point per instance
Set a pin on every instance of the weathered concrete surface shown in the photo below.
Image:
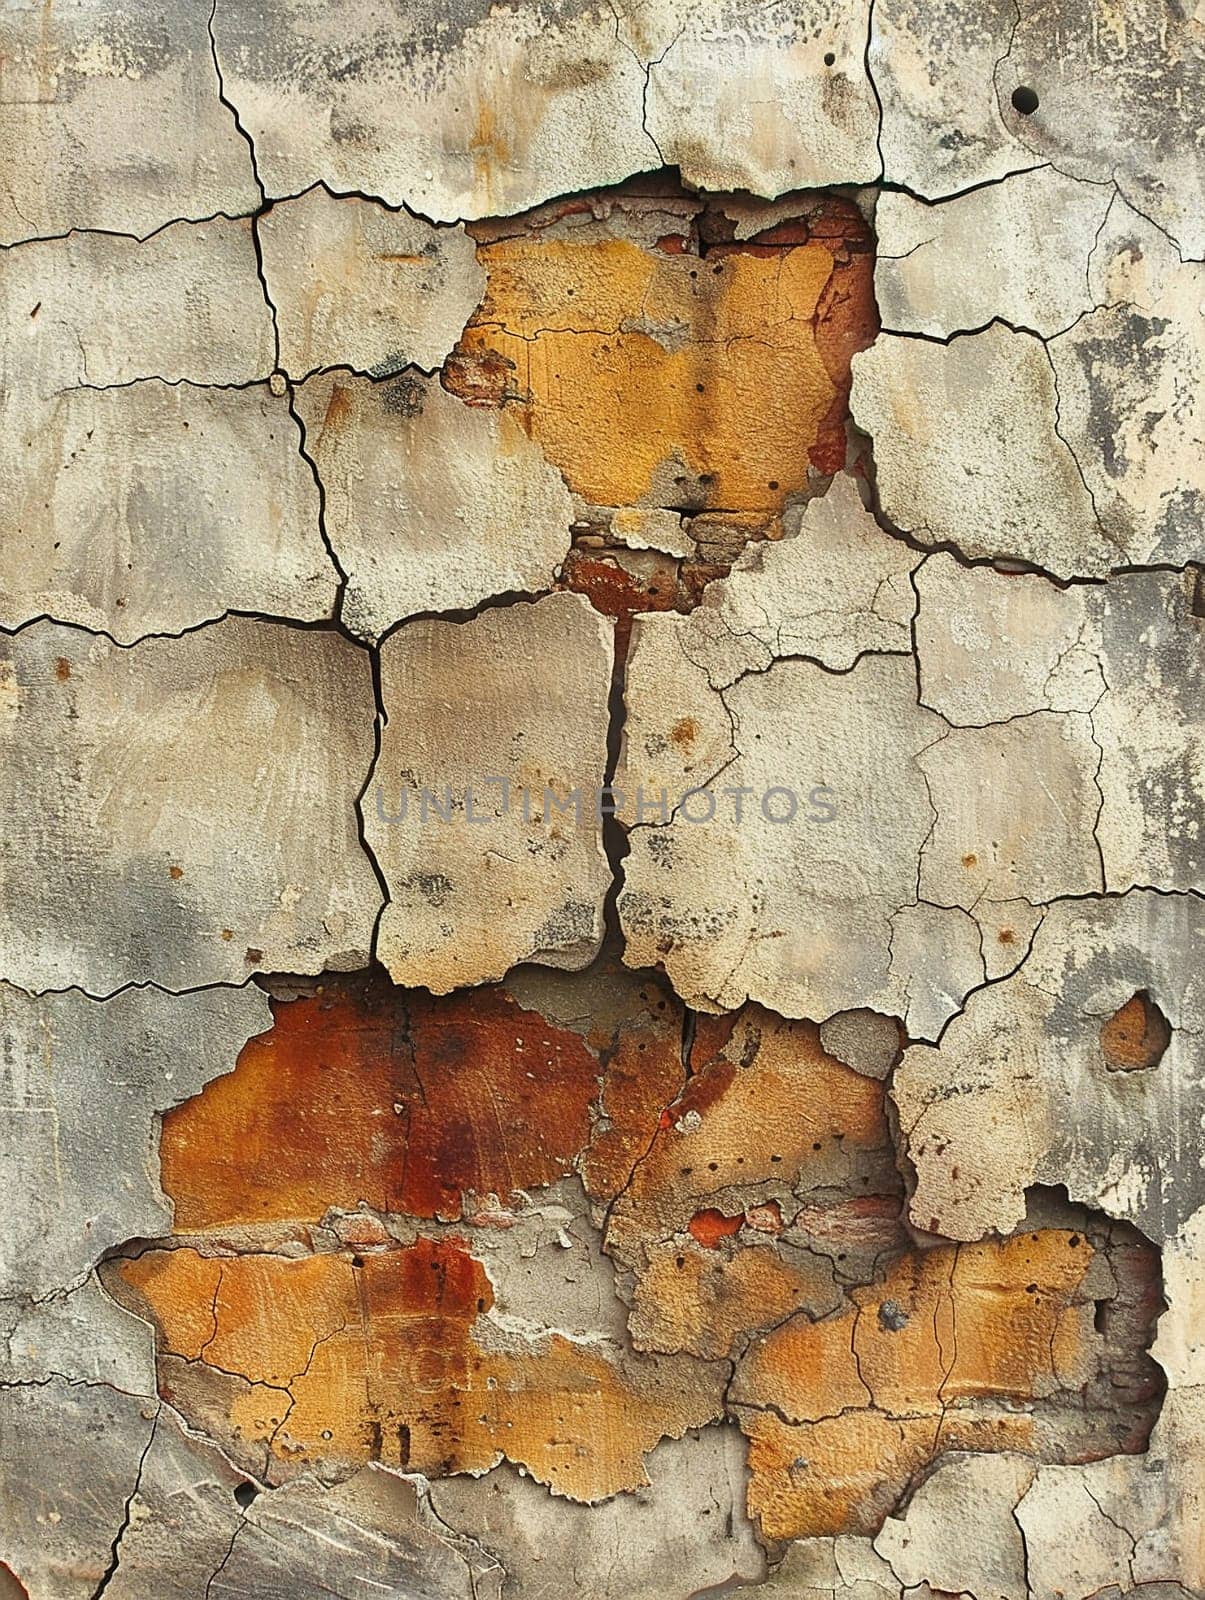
(355, 285)
(81, 1335)
(833, 589)
(1053, 1086)
(921, 276)
(772, 1223)
(1092, 465)
(465, 112)
(94, 310)
(82, 1183)
(971, 93)
(814, 938)
(110, 118)
(473, 112)
(1117, 665)
(793, 107)
(153, 508)
(507, 871)
(968, 453)
(431, 505)
(69, 1462)
(183, 812)
(685, 1532)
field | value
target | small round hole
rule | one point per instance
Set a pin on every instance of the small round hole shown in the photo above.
(829, 59)
(1025, 101)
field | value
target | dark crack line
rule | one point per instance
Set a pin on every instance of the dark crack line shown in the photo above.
(231, 107)
(115, 1555)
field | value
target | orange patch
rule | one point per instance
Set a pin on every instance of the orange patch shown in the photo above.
(1135, 1036)
(944, 1354)
(709, 1227)
(349, 1360)
(366, 1093)
(656, 376)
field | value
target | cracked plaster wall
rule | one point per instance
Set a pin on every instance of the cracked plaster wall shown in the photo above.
(451, 1196)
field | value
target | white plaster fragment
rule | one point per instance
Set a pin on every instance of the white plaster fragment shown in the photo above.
(110, 117)
(458, 112)
(153, 508)
(792, 107)
(80, 1182)
(686, 1531)
(1021, 1092)
(184, 305)
(1123, 660)
(431, 505)
(183, 812)
(929, 1542)
(357, 285)
(794, 912)
(518, 695)
(1016, 250)
(967, 450)
(833, 589)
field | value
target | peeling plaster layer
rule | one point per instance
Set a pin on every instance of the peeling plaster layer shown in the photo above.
(793, 107)
(968, 452)
(833, 589)
(456, 113)
(750, 1213)
(921, 277)
(469, 112)
(1116, 99)
(110, 118)
(358, 286)
(519, 693)
(81, 1183)
(1121, 659)
(94, 310)
(1021, 1089)
(397, 1359)
(155, 834)
(687, 1531)
(1073, 439)
(431, 504)
(798, 915)
(729, 1201)
(153, 508)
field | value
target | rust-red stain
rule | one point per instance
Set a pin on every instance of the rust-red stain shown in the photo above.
(708, 1227)
(365, 1092)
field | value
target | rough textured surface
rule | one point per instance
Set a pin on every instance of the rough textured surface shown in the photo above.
(1111, 99)
(153, 508)
(86, 1177)
(1078, 373)
(93, 310)
(355, 285)
(602, 873)
(1037, 1097)
(483, 874)
(141, 786)
(111, 118)
(430, 505)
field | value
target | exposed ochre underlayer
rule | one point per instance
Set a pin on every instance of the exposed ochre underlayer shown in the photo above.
(600, 741)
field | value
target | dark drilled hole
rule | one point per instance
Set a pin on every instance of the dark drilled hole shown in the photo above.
(1025, 100)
